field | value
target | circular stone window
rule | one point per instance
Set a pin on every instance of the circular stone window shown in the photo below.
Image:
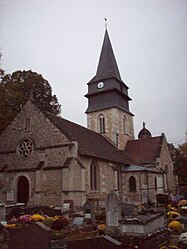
(25, 148)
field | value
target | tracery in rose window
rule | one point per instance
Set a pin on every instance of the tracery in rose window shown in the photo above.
(25, 148)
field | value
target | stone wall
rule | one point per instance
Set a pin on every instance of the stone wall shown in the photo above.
(132, 197)
(114, 122)
(143, 191)
(52, 187)
(42, 131)
(107, 175)
(73, 181)
(165, 162)
(76, 180)
(51, 148)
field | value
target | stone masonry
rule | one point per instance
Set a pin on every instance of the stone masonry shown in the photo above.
(114, 125)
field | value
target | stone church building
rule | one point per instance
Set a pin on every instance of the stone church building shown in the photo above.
(46, 159)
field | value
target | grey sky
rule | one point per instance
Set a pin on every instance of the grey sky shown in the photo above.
(62, 41)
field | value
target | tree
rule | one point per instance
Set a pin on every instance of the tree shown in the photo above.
(2, 72)
(15, 90)
(181, 163)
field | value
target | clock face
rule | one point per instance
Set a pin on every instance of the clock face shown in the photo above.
(100, 85)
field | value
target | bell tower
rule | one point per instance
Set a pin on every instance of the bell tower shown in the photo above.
(108, 101)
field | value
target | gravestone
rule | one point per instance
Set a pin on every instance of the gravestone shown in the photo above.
(66, 206)
(144, 197)
(89, 212)
(112, 210)
(2, 212)
(127, 209)
(162, 199)
(71, 204)
(58, 244)
(34, 236)
(78, 221)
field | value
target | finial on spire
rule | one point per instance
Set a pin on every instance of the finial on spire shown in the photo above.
(143, 124)
(106, 24)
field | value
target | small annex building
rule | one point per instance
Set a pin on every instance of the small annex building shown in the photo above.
(46, 159)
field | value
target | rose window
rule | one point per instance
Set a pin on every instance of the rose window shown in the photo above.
(25, 148)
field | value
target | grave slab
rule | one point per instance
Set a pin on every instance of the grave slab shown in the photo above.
(142, 224)
(34, 236)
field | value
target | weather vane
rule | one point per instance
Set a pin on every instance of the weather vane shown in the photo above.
(106, 24)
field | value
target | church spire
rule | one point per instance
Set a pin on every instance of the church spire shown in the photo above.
(107, 66)
(106, 89)
(108, 101)
(107, 63)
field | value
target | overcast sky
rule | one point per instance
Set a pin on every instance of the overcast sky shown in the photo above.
(62, 41)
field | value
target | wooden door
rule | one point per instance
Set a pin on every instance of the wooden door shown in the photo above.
(23, 190)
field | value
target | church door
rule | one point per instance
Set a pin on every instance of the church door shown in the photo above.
(23, 190)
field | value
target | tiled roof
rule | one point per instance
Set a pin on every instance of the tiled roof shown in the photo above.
(144, 151)
(90, 143)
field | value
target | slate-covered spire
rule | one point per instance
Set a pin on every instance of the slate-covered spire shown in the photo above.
(108, 101)
(106, 89)
(107, 66)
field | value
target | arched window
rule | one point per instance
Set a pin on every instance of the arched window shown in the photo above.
(132, 184)
(101, 123)
(155, 183)
(166, 172)
(94, 176)
(125, 125)
(116, 181)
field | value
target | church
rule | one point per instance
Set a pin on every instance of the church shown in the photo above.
(47, 160)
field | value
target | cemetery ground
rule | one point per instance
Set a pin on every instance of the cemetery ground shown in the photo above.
(115, 225)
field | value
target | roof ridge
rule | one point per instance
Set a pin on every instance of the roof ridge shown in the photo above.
(79, 125)
(151, 138)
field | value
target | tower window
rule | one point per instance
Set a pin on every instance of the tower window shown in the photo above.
(132, 184)
(101, 123)
(125, 125)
